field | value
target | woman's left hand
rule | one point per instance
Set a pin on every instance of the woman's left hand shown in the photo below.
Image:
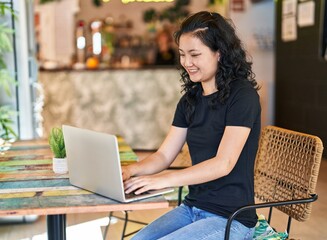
(142, 184)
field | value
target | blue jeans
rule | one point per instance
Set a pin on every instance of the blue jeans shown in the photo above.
(187, 223)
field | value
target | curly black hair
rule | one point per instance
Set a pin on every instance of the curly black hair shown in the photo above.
(218, 34)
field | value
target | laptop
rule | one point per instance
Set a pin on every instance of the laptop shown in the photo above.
(94, 164)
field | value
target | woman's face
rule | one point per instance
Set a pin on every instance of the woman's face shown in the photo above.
(199, 61)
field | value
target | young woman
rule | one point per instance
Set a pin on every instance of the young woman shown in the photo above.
(219, 118)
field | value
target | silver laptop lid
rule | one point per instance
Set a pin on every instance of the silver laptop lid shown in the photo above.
(93, 162)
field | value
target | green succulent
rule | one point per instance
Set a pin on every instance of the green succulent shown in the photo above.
(57, 143)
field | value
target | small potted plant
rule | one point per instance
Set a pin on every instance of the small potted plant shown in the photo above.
(57, 146)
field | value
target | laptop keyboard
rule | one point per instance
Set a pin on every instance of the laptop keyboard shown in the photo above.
(132, 194)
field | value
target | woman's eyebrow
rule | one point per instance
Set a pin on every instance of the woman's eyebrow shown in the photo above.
(191, 50)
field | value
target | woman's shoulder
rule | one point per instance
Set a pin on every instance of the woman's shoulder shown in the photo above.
(243, 89)
(242, 85)
(183, 100)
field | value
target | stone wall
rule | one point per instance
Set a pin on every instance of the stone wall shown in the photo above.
(137, 104)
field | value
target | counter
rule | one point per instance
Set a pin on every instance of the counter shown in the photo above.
(138, 104)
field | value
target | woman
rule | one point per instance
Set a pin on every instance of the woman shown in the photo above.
(219, 118)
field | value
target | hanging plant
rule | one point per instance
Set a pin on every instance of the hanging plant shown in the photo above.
(149, 15)
(171, 14)
(97, 3)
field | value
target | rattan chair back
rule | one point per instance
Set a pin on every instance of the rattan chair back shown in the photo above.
(286, 168)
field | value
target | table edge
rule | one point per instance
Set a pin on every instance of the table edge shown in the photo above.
(87, 209)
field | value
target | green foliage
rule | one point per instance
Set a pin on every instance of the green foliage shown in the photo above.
(47, 1)
(6, 80)
(97, 3)
(149, 15)
(173, 14)
(108, 39)
(5, 33)
(181, 3)
(57, 143)
(5, 8)
(6, 116)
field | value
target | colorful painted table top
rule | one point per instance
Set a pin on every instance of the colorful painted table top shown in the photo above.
(29, 186)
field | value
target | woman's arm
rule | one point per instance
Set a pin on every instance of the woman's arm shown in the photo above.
(162, 158)
(229, 150)
(222, 164)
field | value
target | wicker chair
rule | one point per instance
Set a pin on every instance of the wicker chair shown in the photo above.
(286, 172)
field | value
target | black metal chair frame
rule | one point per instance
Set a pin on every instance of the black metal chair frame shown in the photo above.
(313, 198)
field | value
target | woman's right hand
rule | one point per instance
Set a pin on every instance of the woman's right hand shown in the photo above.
(126, 174)
(161, 159)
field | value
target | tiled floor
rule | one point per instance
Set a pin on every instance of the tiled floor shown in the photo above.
(82, 224)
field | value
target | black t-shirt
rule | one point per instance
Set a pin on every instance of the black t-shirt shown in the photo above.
(205, 130)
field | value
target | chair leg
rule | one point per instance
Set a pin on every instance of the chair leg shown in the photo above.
(125, 225)
(270, 213)
(289, 225)
(180, 192)
(126, 220)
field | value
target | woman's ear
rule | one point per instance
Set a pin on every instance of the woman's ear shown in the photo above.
(218, 55)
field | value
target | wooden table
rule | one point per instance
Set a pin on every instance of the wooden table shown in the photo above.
(29, 186)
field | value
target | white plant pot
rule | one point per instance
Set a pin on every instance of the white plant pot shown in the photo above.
(59, 165)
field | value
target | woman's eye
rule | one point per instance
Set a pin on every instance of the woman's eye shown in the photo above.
(195, 55)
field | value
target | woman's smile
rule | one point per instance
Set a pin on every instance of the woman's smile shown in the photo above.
(192, 71)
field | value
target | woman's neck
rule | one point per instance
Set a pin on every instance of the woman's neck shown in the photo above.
(208, 89)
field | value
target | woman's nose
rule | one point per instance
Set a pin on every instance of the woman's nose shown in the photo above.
(188, 61)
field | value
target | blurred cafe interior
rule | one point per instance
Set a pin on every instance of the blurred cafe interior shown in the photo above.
(112, 66)
(106, 65)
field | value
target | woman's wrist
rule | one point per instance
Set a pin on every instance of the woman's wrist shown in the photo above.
(132, 169)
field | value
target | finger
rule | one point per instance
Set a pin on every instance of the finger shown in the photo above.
(132, 186)
(131, 189)
(142, 190)
(137, 183)
(129, 182)
(134, 180)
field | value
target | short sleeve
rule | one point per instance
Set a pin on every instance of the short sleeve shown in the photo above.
(243, 108)
(179, 117)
